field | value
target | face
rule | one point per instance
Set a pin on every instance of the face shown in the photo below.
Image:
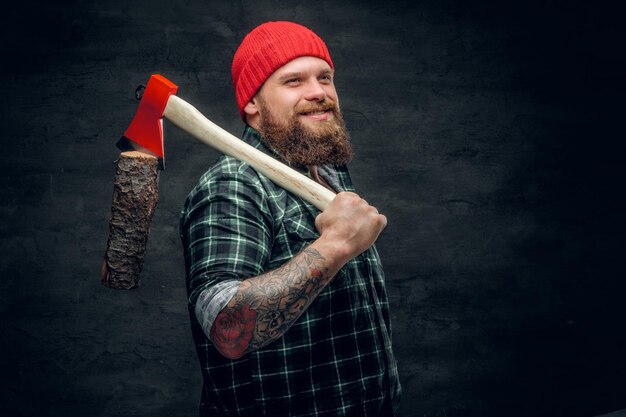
(297, 113)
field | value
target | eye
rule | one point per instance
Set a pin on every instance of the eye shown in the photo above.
(292, 81)
(326, 78)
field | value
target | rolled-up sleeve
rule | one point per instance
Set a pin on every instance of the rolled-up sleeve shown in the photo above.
(212, 300)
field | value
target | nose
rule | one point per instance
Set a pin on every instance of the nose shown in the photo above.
(315, 91)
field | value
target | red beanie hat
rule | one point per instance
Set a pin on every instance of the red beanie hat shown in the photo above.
(267, 48)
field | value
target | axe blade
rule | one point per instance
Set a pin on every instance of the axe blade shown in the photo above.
(145, 132)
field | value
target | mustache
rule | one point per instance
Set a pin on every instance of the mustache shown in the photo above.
(316, 107)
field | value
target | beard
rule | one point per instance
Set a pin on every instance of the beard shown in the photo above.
(326, 142)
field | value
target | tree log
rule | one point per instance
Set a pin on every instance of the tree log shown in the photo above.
(135, 195)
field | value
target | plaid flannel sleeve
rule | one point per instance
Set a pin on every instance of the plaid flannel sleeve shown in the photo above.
(226, 230)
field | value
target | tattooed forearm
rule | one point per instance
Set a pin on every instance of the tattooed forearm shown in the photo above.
(265, 307)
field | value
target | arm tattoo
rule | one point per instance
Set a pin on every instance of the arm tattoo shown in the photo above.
(265, 307)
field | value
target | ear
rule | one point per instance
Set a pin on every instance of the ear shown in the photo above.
(252, 107)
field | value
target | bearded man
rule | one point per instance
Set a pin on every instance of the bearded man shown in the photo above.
(288, 306)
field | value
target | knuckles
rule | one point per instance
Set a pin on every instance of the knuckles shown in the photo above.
(352, 220)
(351, 207)
(351, 200)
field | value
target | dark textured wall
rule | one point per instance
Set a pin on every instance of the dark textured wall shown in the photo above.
(490, 134)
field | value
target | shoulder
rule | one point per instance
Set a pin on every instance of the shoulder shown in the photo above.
(231, 182)
(226, 177)
(227, 169)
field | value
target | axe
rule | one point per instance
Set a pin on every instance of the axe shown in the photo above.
(135, 190)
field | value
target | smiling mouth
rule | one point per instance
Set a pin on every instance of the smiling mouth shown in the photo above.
(315, 113)
(319, 114)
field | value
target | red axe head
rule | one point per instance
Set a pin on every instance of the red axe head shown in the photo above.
(145, 132)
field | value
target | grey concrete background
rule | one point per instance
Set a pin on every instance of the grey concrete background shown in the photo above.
(490, 134)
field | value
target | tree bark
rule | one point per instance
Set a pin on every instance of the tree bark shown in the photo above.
(135, 195)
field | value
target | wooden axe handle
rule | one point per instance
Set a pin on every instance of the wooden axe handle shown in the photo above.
(189, 119)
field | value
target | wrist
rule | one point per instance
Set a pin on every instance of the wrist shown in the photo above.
(337, 253)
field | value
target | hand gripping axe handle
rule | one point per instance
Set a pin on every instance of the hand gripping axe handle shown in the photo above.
(136, 190)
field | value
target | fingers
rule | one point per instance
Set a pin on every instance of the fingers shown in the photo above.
(356, 211)
(350, 224)
(383, 221)
(350, 199)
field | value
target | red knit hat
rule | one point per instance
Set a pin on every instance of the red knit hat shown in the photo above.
(265, 49)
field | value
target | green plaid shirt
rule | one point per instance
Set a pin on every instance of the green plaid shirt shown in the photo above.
(336, 359)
